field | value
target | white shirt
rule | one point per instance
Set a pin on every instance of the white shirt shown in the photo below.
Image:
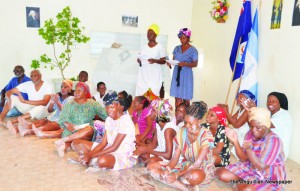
(99, 99)
(283, 128)
(33, 95)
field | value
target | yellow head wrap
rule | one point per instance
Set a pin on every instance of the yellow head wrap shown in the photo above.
(69, 83)
(155, 28)
(261, 115)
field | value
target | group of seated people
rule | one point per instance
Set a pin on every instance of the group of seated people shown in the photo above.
(116, 131)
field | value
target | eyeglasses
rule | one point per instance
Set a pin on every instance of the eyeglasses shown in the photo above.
(17, 70)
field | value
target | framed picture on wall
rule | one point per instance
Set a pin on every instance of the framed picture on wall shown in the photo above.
(276, 14)
(130, 21)
(296, 13)
(33, 17)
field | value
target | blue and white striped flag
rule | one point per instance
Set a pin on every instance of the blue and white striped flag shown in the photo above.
(249, 76)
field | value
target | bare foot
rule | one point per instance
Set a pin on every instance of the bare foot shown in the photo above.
(91, 170)
(23, 130)
(37, 131)
(3, 124)
(60, 147)
(23, 122)
(11, 128)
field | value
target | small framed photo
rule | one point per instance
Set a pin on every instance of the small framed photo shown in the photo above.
(33, 17)
(130, 21)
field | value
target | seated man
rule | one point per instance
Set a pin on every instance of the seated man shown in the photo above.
(19, 78)
(39, 94)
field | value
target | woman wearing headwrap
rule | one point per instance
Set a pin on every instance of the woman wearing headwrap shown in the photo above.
(161, 147)
(76, 118)
(115, 150)
(240, 118)
(150, 59)
(261, 162)
(48, 124)
(216, 123)
(195, 145)
(281, 120)
(182, 86)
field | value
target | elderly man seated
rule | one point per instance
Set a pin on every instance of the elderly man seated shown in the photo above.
(39, 94)
(19, 78)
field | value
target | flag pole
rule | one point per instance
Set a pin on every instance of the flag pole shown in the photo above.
(237, 90)
(232, 76)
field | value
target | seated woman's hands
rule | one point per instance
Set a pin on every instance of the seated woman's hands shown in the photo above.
(69, 126)
(141, 150)
(231, 135)
(167, 176)
(84, 159)
(248, 103)
(247, 144)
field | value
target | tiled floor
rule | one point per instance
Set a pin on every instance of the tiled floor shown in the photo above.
(32, 164)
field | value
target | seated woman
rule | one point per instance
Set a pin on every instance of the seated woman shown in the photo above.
(216, 123)
(161, 148)
(194, 143)
(83, 146)
(47, 127)
(76, 118)
(115, 150)
(142, 119)
(240, 119)
(281, 120)
(261, 157)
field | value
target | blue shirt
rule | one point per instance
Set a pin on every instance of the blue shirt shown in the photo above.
(14, 83)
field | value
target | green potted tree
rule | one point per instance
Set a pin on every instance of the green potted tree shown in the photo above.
(61, 35)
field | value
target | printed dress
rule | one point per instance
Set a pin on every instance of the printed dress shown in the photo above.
(79, 114)
(186, 88)
(123, 125)
(141, 121)
(221, 138)
(190, 151)
(270, 151)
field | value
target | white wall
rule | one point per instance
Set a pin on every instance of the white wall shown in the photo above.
(20, 45)
(278, 53)
(278, 58)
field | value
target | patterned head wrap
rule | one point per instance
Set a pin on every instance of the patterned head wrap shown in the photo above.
(220, 114)
(69, 83)
(248, 94)
(283, 101)
(150, 95)
(261, 115)
(110, 97)
(155, 28)
(163, 109)
(85, 87)
(197, 109)
(184, 31)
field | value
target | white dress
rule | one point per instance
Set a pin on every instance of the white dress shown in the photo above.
(241, 132)
(123, 125)
(160, 133)
(283, 128)
(150, 75)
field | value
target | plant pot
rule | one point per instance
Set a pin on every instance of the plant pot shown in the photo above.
(57, 84)
(220, 20)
